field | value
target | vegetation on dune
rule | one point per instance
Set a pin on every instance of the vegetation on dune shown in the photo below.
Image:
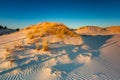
(45, 45)
(96, 28)
(19, 45)
(114, 29)
(11, 49)
(5, 27)
(37, 46)
(8, 52)
(5, 30)
(92, 28)
(37, 33)
(30, 35)
(50, 28)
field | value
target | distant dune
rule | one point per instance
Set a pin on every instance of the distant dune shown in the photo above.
(114, 29)
(94, 30)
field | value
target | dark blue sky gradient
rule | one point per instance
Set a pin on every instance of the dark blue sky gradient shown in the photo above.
(73, 13)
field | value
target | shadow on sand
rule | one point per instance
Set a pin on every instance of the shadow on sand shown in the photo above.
(95, 43)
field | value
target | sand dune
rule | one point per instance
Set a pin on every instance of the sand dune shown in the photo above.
(94, 30)
(95, 58)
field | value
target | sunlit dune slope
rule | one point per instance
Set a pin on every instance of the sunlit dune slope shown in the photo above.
(94, 30)
(55, 31)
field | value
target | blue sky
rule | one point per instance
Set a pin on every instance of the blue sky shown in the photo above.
(73, 13)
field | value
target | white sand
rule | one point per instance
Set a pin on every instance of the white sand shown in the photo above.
(95, 59)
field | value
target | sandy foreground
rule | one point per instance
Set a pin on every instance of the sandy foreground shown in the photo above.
(97, 58)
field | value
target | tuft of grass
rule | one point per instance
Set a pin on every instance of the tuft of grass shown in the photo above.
(8, 49)
(45, 45)
(18, 45)
(8, 53)
(30, 35)
(37, 46)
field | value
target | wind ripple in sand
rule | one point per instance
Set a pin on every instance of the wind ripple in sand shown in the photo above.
(36, 70)
(28, 71)
(55, 68)
(96, 70)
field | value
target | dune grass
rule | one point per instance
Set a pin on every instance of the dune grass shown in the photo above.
(45, 45)
(50, 28)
